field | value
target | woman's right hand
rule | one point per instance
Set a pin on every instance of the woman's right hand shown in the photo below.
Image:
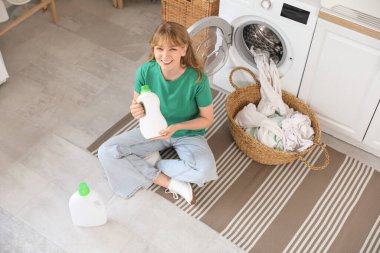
(137, 109)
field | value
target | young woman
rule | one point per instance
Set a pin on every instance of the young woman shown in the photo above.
(173, 73)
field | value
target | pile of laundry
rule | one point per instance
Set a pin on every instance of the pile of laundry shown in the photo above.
(272, 122)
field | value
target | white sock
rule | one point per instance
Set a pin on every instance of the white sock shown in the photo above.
(182, 188)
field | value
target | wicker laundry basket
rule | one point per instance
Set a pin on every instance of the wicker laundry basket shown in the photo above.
(255, 149)
(186, 13)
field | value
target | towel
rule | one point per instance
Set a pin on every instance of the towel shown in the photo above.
(249, 117)
(298, 132)
(271, 95)
(268, 132)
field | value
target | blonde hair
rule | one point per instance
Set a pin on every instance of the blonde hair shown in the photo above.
(174, 34)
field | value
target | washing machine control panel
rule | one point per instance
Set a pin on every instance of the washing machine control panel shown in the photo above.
(266, 4)
(294, 13)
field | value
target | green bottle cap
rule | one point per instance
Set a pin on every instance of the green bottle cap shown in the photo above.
(145, 88)
(83, 189)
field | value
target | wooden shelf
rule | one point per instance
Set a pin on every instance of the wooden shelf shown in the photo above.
(41, 6)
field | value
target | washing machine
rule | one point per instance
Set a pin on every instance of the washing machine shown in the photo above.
(282, 28)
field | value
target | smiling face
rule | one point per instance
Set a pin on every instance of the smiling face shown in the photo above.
(171, 47)
(169, 57)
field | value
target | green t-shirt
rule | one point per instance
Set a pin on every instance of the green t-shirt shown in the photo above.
(180, 99)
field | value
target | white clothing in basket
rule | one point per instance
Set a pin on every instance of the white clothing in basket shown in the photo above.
(271, 95)
(298, 132)
(269, 133)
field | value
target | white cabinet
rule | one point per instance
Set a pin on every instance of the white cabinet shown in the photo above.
(341, 83)
(372, 137)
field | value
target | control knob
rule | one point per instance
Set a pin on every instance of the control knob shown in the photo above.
(266, 4)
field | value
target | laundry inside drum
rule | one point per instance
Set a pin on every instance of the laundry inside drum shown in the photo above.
(261, 37)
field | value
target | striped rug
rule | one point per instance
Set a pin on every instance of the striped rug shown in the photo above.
(284, 208)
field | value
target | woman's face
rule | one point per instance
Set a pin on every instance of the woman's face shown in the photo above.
(169, 57)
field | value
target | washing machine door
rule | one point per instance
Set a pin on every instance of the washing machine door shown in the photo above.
(211, 38)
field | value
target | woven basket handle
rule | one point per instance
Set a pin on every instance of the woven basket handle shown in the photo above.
(245, 69)
(324, 165)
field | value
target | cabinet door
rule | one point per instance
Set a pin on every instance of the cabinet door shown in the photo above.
(342, 79)
(372, 137)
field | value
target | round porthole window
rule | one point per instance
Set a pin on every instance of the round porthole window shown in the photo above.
(211, 48)
(260, 36)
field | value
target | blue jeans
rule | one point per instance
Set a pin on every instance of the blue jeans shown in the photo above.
(122, 158)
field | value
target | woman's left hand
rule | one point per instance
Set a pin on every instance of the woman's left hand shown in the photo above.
(166, 133)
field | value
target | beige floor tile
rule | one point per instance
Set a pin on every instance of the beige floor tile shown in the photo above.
(26, 31)
(76, 136)
(110, 67)
(20, 56)
(63, 44)
(73, 17)
(40, 104)
(60, 162)
(166, 226)
(17, 236)
(99, 9)
(107, 34)
(129, 212)
(16, 136)
(131, 16)
(100, 114)
(140, 245)
(221, 244)
(18, 186)
(76, 85)
(49, 92)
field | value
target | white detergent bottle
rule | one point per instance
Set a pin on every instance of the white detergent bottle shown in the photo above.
(153, 121)
(86, 207)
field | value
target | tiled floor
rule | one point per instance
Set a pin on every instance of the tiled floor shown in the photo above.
(69, 83)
